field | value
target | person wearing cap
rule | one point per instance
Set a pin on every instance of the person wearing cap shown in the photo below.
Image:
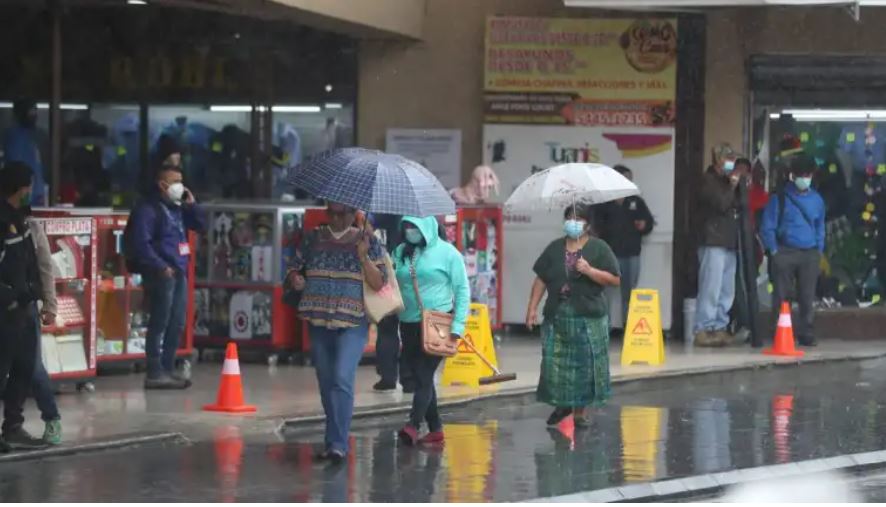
(793, 232)
(718, 206)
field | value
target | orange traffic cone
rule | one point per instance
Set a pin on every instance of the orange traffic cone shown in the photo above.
(784, 335)
(230, 391)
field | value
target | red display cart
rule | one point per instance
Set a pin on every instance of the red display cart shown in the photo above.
(120, 315)
(68, 346)
(477, 232)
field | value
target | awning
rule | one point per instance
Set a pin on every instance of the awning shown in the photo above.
(689, 4)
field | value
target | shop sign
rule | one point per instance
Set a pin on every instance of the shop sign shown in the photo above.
(585, 72)
(187, 72)
(68, 226)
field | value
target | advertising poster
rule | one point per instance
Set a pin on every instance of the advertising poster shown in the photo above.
(571, 71)
(439, 150)
(517, 151)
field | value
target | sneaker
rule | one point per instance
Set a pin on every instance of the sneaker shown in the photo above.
(165, 382)
(724, 338)
(383, 387)
(408, 435)
(336, 457)
(432, 438)
(52, 434)
(323, 456)
(706, 339)
(178, 377)
(558, 415)
(19, 438)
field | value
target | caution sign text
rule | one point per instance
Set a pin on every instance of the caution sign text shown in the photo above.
(644, 340)
(465, 368)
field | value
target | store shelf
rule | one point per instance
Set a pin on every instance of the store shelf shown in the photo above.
(62, 329)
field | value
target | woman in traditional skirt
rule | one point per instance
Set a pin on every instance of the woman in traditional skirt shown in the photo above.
(574, 271)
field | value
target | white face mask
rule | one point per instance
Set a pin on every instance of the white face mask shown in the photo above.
(175, 192)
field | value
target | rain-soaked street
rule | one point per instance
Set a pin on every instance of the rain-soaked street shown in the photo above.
(501, 450)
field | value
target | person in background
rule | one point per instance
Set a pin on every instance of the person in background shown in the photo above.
(436, 270)
(20, 145)
(622, 224)
(718, 207)
(387, 349)
(758, 199)
(20, 289)
(328, 269)
(41, 386)
(574, 271)
(793, 232)
(161, 222)
(483, 185)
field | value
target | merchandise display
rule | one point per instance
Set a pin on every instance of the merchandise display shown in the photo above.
(68, 347)
(243, 261)
(477, 232)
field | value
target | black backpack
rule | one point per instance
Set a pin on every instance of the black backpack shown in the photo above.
(130, 252)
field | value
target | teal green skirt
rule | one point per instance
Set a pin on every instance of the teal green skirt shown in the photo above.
(575, 360)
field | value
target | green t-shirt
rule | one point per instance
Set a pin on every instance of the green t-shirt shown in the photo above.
(586, 296)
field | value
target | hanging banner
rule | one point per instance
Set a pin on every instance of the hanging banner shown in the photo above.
(608, 72)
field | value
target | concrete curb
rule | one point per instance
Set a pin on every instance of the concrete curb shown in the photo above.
(103, 445)
(404, 407)
(706, 484)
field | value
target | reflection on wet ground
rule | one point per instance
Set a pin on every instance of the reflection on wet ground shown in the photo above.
(500, 450)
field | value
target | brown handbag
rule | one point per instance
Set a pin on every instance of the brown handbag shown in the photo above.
(436, 327)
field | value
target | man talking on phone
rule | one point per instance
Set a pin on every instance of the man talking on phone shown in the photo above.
(156, 245)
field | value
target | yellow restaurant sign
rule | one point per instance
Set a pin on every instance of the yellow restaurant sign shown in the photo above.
(595, 59)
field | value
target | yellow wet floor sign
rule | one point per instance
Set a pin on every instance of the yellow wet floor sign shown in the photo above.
(644, 341)
(465, 368)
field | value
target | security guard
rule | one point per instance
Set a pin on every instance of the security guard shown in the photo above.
(19, 291)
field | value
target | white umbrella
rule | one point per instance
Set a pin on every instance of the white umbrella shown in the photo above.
(562, 185)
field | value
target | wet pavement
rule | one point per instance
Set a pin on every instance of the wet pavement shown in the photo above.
(501, 450)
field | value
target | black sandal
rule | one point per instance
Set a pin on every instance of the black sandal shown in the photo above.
(558, 415)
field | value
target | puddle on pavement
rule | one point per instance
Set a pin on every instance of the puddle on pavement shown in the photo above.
(501, 451)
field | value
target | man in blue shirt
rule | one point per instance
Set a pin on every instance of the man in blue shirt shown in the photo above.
(20, 145)
(793, 232)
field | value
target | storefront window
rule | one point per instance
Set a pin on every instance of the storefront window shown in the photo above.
(850, 151)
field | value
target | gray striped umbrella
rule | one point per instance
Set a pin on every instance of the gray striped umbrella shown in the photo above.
(373, 181)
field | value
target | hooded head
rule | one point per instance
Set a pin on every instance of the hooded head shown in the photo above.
(484, 183)
(428, 234)
(723, 157)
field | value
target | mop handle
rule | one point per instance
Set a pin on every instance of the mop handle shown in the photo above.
(486, 361)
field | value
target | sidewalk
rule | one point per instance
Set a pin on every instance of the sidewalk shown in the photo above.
(121, 407)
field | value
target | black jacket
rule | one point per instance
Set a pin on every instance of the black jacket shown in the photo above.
(615, 224)
(19, 274)
(718, 205)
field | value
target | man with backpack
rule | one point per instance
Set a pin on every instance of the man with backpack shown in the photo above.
(793, 232)
(156, 245)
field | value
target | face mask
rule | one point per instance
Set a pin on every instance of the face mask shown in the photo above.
(728, 166)
(574, 228)
(25, 200)
(175, 192)
(803, 184)
(413, 236)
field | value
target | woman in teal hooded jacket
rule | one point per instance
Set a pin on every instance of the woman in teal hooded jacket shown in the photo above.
(443, 286)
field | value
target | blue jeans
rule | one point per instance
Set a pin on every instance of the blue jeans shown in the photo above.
(41, 386)
(336, 354)
(167, 302)
(716, 288)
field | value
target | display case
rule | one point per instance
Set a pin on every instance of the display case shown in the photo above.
(68, 347)
(241, 263)
(120, 315)
(477, 233)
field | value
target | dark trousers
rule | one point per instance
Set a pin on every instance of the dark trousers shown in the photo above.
(790, 266)
(41, 386)
(387, 354)
(18, 350)
(422, 367)
(167, 300)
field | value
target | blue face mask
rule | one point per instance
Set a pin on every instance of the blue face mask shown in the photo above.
(413, 236)
(803, 184)
(728, 166)
(574, 228)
